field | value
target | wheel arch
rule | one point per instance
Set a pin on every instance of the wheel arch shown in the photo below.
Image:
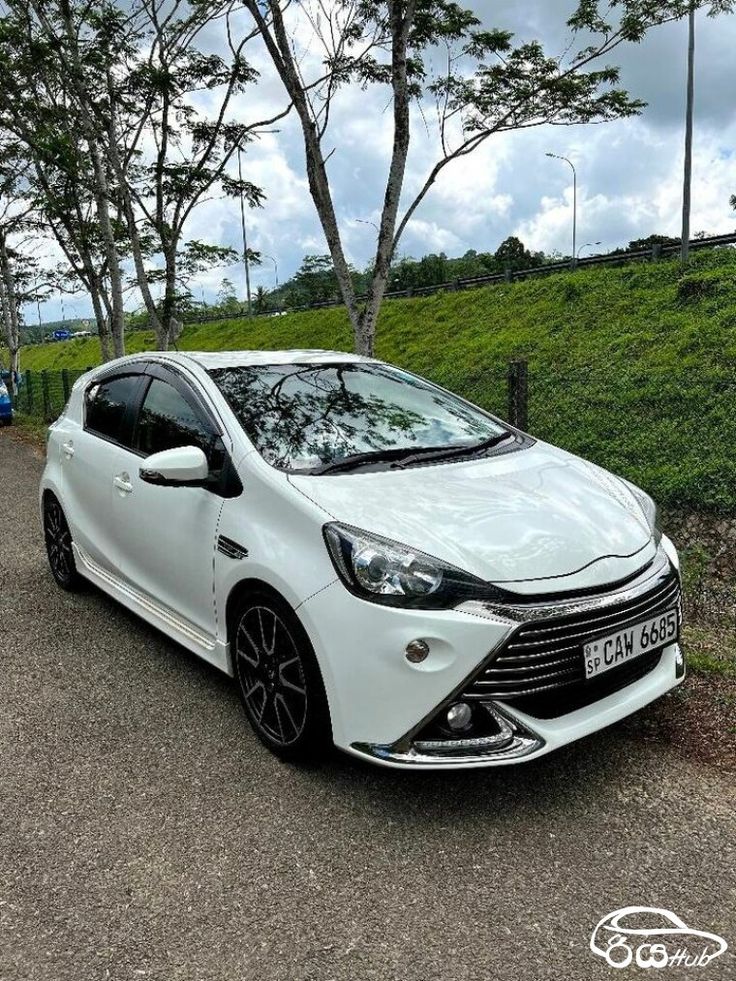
(253, 584)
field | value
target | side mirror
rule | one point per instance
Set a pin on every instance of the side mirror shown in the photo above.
(184, 466)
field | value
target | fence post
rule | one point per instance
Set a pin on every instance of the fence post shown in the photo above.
(65, 383)
(508, 274)
(518, 392)
(46, 398)
(656, 251)
(29, 391)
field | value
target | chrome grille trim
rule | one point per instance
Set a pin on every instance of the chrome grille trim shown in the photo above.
(552, 609)
(668, 589)
(541, 657)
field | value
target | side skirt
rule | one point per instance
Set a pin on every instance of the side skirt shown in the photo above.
(206, 646)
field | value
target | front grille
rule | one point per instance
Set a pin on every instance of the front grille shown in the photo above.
(541, 670)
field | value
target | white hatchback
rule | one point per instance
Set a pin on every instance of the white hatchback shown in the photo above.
(379, 564)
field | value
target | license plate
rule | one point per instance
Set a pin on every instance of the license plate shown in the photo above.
(608, 652)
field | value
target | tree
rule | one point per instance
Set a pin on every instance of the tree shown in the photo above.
(133, 74)
(261, 301)
(393, 44)
(637, 244)
(40, 105)
(513, 254)
(315, 280)
(16, 218)
(227, 299)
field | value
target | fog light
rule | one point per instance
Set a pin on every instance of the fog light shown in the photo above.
(416, 651)
(459, 716)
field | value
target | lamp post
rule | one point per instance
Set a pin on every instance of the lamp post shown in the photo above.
(556, 156)
(688, 170)
(275, 267)
(588, 245)
(363, 221)
(245, 240)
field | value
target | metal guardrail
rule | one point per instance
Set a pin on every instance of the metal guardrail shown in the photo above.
(509, 276)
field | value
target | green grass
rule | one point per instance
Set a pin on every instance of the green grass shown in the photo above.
(633, 366)
(32, 429)
(710, 649)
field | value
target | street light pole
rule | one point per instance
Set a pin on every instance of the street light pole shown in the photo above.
(688, 171)
(246, 264)
(275, 267)
(574, 202)
(588, 245)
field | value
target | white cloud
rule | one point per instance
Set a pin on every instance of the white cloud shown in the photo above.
(630, 172)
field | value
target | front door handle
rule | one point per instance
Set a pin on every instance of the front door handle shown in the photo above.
(122, 482)
(68, 449)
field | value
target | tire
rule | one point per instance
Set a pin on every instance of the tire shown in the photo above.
(59, 546)
(279, 680)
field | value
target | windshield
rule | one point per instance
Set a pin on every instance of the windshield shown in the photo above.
(307, 416)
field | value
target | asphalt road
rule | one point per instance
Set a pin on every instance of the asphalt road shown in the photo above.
(144, 832)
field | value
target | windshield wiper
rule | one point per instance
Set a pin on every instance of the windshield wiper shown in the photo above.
(407, 455)
(356, 460)
(452, 452)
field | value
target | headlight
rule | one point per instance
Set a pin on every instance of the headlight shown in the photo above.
(649, 510)
(383, 571)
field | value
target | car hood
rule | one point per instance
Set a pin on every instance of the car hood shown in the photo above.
(519, 519)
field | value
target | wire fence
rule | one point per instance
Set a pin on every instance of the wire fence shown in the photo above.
(43, 394)
(672, 437)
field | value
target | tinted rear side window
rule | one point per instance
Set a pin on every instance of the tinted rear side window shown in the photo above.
(106, 406)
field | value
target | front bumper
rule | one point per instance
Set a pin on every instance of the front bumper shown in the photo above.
(532, 737)
(381, 705)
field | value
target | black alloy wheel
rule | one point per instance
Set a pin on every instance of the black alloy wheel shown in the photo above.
(279, 680)
(59, 545)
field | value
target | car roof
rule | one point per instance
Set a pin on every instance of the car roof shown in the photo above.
(236, 359)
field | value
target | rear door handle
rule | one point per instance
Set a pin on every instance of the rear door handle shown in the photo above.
(68, 449)
(122, 482)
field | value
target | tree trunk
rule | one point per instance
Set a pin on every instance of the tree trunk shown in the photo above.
(364, 320)
(400, 26)
(9, 303)
(71, 61)
(167, 332)
(136, 246)
(103, 323)
(102, 197)
(279, 47)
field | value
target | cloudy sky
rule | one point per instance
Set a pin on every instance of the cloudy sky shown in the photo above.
(629, 172)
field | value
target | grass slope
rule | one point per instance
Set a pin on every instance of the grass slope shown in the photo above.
(632, 366)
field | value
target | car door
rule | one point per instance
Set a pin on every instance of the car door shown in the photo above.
(166, 535)
(88, 449)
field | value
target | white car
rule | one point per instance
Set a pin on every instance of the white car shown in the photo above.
(380, 564)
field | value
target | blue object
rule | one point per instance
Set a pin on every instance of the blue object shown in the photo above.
(62, 335)
(6, 406)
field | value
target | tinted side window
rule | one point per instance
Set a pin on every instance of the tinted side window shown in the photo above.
(167, 420)
(106, 405)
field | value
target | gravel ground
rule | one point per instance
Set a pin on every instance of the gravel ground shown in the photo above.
(144, 832)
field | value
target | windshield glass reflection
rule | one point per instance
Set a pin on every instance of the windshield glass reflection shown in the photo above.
(303, 416)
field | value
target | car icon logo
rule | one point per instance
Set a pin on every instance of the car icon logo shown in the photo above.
(648, 936)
